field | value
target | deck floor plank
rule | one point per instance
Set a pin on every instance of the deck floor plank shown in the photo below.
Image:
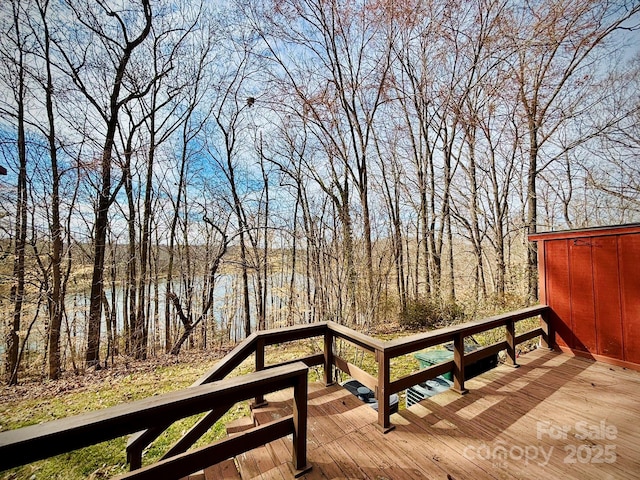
(226, 470)
(493, 432)
(508, 426)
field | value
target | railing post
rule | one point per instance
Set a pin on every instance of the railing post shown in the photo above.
(548, 339)
(382, 392)
(511, 344)
(134, 458)
(458, 360)
(259, 400)
(328, 357)
(138, 442)
(300, 427)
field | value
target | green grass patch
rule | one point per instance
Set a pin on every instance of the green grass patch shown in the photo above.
(106, 459)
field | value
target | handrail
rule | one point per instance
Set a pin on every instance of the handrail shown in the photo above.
(401, 346)
(457, 334)
(357, 338)
(141, 440)
(384, 351)
(28, 444)
(248, 347)
(253, 344)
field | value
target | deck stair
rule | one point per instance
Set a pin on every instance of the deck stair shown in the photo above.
(231, 469)
(240, 425)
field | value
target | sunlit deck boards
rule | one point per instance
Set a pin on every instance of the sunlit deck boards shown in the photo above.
(510, 425)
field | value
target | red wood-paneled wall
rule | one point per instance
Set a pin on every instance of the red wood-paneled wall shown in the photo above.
(591, 280)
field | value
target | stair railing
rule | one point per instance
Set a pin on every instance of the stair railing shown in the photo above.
(28, 444)
(253, 344)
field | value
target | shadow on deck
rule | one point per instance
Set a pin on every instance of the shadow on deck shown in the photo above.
(555, 416)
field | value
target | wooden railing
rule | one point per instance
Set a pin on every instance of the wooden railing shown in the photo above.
(28, 444)
(384, 352)
(457, 334)
(255, 344)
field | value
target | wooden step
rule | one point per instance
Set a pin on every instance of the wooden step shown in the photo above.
(239, 425)
(226, 470)
(266, 415)
(195, 476)
(270, 412)
(250, 463)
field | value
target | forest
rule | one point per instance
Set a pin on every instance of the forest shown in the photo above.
(180, 174)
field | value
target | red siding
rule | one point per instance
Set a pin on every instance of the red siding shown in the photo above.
(581, 296)
(607, 297)
(629, 254)
(559, 296)
(591, 280)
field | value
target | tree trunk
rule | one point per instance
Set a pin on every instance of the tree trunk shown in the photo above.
(18, 287)
(105, 197)
(140, 351)
(129, 293)
(56, 301)
(532, 216)
(172, 240)
(92, 357)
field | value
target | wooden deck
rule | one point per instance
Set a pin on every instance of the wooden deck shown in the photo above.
(556, 416)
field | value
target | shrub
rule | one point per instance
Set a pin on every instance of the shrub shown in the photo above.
(429, 314)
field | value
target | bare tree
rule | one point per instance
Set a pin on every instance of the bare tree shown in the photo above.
(353, 48)
(163, 114)
(610, 162)
(119, 37)
(429, 80)
(229, 105)
(57, 296)
(15, 49)
(552, 45)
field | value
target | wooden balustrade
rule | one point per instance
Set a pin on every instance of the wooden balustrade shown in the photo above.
(386, 351)
(380, 382)
(28, 444)
(253, 344)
